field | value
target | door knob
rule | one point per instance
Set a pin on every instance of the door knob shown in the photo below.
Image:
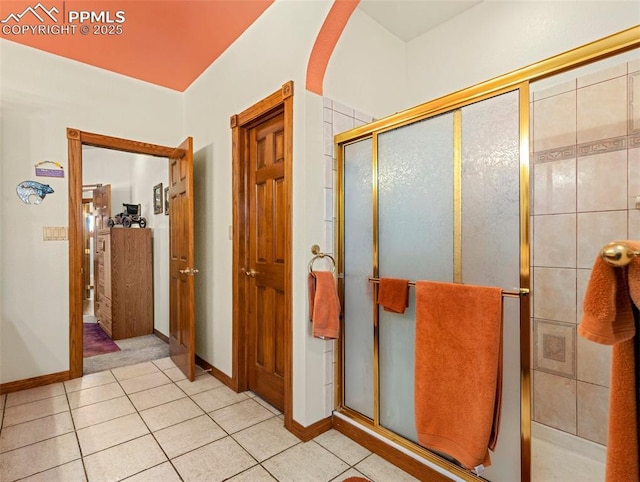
(189, 271)
(252, 273)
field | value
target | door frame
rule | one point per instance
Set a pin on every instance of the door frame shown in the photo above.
(240, 124)
(75, 140)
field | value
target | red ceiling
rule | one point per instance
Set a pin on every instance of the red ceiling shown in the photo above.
(168, 43)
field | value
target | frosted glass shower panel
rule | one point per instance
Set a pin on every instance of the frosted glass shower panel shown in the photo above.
(491, 192)
(415, 226)
(358, 292)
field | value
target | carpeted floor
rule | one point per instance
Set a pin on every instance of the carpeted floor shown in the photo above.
(95, 341)
(132, 351)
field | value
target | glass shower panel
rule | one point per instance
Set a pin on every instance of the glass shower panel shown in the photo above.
(358, 293)
(491, 244)
(415, 206)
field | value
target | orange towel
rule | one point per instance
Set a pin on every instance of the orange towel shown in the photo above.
(324, 305)
(608, 319)
(393, 294)
(458, 369)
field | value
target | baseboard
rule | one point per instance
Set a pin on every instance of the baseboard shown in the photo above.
(307, 433)
(389, 453)
(223, 377)
(162, 336)
(42, 380)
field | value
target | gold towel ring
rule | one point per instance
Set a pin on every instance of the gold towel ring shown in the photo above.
(320, 256)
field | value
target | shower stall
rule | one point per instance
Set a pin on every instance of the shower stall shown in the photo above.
(514, 184)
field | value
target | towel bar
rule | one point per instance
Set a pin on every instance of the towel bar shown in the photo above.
(618, 253)
(505, 293)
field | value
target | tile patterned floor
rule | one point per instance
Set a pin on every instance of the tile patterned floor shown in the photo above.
(146, 422)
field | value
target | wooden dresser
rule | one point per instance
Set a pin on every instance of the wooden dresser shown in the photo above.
(124, 285)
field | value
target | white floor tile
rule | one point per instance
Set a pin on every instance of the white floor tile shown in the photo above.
(214, 462)
(38, 457)
(70, 472)
(156, 396)
(377, 468)
(175, 374)
(170, 413)
(88, 396)
(342, 446)
(101, 412)
(89, 381)
(160, 473)
(254, 474)
(132, 371)
(34, 431)
(33, 410)
(189, 435)
(34, 394)
(164, 363)
(310, 459)
(107, 434)
(240, 415)
(266, 439)
(124, 460)
(144, 382)
(218, 398)
(200, 384)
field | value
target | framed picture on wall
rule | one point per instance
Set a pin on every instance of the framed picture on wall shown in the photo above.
(157, 199)
(166, 200)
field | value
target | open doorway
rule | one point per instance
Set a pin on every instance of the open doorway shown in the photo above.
(180, 254)
(125, 270)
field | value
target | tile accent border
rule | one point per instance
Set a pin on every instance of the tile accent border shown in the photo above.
(588, 148)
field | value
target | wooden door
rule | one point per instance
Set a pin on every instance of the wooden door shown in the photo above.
(181, 259)
(101, 212)
(267, 252)
(87, 217)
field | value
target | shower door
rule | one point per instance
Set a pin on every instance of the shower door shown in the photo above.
(435, 199)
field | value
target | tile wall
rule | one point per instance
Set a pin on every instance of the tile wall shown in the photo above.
(337, 118)
(585, 176)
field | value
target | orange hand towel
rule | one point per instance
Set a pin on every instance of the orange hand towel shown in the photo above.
(393, 294)
(324, 305)
(608, 319)
(458, 369)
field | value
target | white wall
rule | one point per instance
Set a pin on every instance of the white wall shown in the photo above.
(40, 96)
(497, 37)
(368, 68)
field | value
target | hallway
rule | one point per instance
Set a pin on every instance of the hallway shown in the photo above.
(146, 422)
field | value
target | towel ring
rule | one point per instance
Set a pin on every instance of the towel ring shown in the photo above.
(320, 256)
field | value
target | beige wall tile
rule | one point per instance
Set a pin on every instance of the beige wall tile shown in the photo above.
(602, 110)
(600, 179)
(634, 224)
(555, 347)
(597, 229)
(554, 401)
(633, 65)
(554, 187)
(634, 173)
(634, 107)
(554, 240)
(593, 408)
(603, 75)
(594, 362)
(554, 123)
(561, 88)
(582, 279)
(555, 295)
